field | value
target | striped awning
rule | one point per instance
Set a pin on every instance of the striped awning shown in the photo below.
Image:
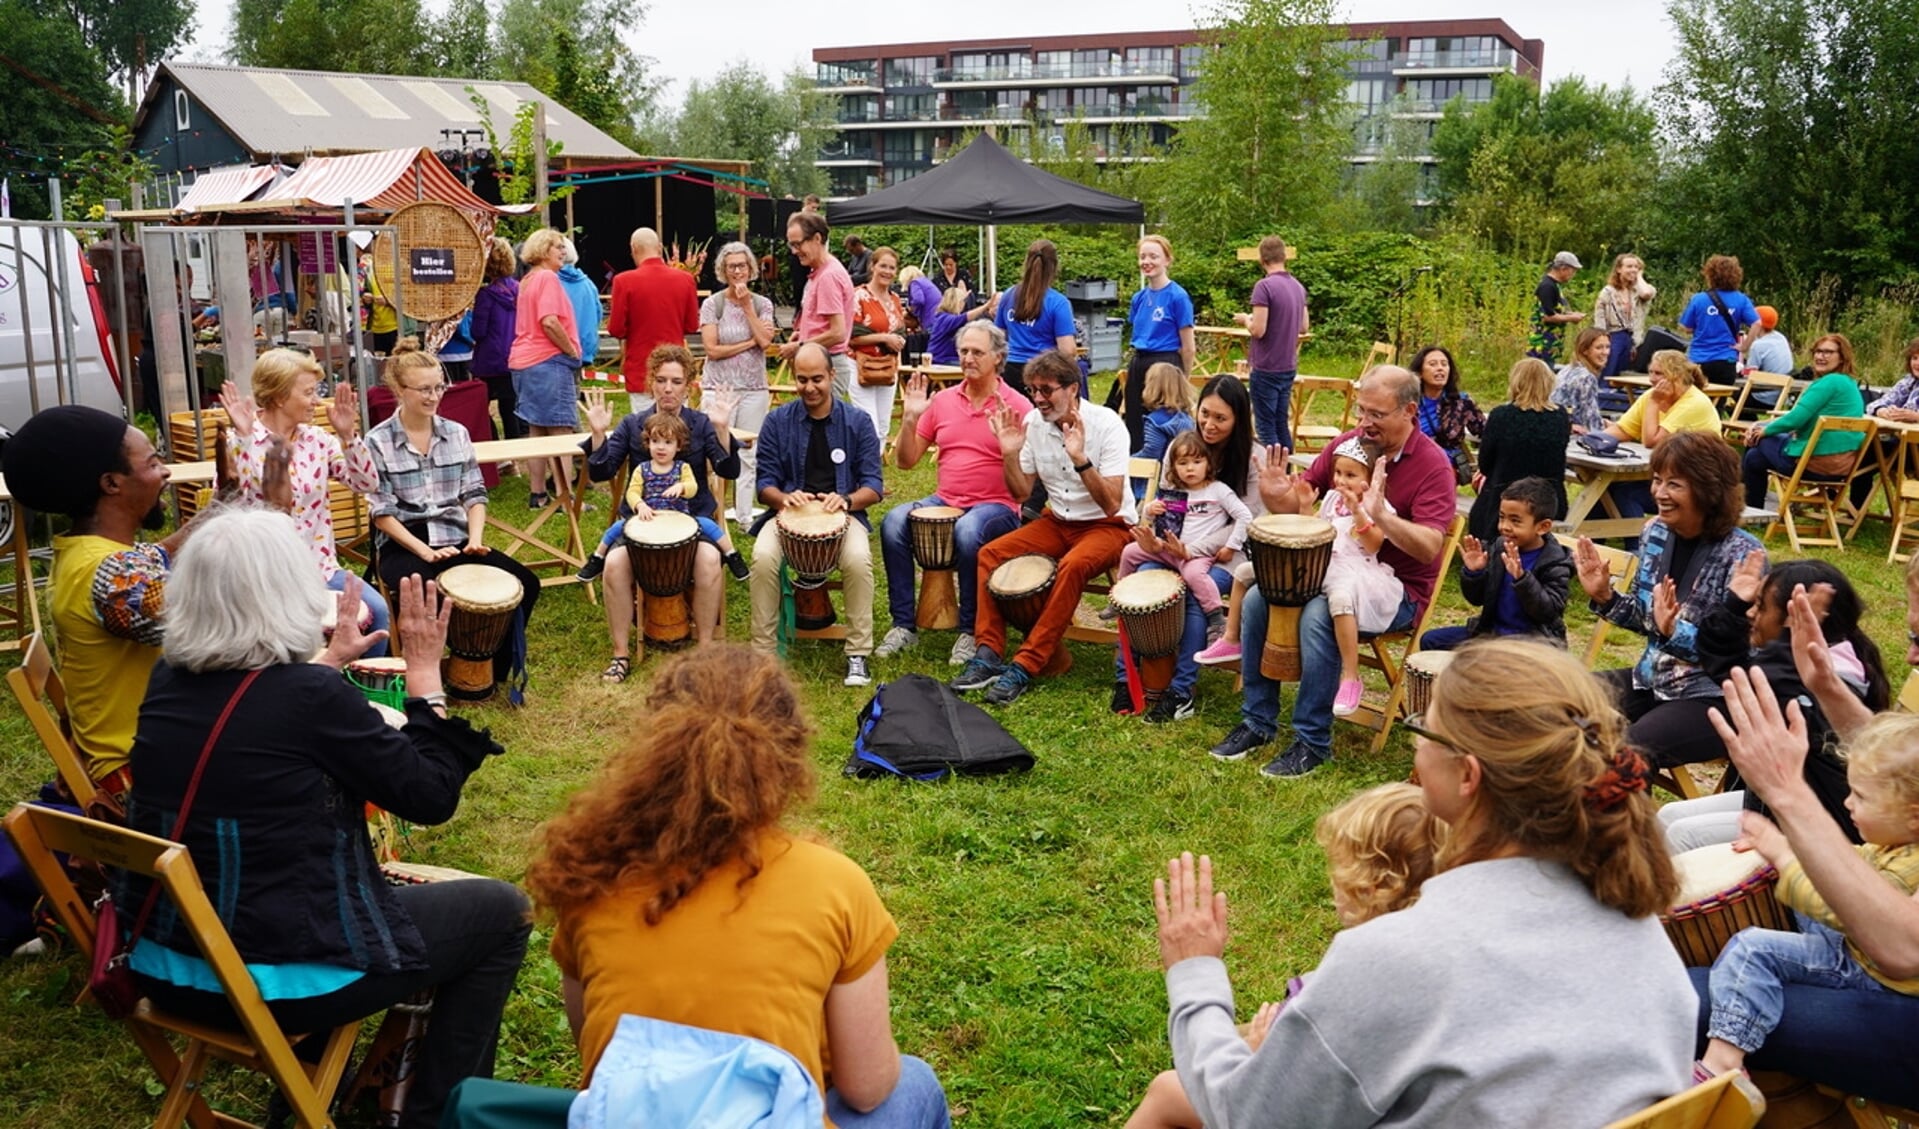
(225, 186)
(383, 181)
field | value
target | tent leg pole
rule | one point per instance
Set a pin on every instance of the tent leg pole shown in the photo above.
(992, 256)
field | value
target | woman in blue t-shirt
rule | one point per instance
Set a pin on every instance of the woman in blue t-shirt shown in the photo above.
(1162, 321)
(1717, 318)
(1034, 316)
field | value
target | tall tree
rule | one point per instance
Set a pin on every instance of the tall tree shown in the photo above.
(129, 35)
(580, 42)
(1270, 148)
(462, 41)
(1383, 194)
(740, 114)
(368, 36)
(1532, 172)
(1793, 125)
(55, 102)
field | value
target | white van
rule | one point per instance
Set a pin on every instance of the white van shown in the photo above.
(29, 296)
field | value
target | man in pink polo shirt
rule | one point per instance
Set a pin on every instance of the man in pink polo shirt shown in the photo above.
(958, 421)
(826, 309)
(653, 304)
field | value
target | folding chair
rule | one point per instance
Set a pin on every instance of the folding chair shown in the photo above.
(1310, 437)
(1827, 497)
(1376, 652)
(1624, 567)
(1729, 1101)
(1902, 500)
(1908, 699)
(1869, 1114)
(1736, 424)
(36, 685)
(260, 1045)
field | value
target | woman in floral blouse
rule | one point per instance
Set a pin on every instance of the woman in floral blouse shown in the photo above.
(285, 391)
(1577, 387)
(1446, 414)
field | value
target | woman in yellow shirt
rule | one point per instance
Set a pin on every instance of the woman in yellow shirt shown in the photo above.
(1677, 401)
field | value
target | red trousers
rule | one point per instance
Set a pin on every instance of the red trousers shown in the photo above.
(1083, 550)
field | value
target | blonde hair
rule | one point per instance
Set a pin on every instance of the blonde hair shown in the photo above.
(1380, 846)
(1886, 749)
(277, 371)
(1165, 247)
(1672, 362)
(541, 244)
(1167, 387)
(910, 272)
(1556, 781)
(406, 357)
(1530, 385)
(953, 301)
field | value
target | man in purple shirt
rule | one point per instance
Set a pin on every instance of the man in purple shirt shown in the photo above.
(1419, 498)
(1272, 352)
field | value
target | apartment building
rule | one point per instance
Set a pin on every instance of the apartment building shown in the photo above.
(901, 106)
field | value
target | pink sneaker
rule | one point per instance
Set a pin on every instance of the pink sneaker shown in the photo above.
(1346, 702)
(1223, 651)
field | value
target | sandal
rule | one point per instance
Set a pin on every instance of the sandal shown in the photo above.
(617, 670)
(537, 501)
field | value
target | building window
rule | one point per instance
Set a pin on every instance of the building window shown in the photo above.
(1149, 60)
(855, 73)
(181, 106)
(916, 71)
(1190, 60)
(912, 107)
(859, 108)
(1427, 95)
(1092, 63)
(1053, 64)
(1148, 100)
(1092, 98)
(1054, 101)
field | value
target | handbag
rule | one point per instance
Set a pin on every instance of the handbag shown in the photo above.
(1724, 314)
(1463, 468)
(110, 980)
(877, 370)
(1599, 443)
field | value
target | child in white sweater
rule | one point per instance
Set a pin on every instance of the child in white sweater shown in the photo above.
(1197, 522)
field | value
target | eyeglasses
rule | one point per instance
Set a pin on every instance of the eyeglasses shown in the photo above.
(1043, 391)
(741, 266)
(795, 244)
(428, 390)
(1371, 415)
(1827, 352)
(1421, 731)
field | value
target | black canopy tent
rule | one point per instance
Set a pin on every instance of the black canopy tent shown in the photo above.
(984, 185)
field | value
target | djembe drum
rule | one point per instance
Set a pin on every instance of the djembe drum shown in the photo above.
(660, 549)
(1020, 588)
(484, 601)
(1152, 609)
(1422, 670)
(1290, 553)
(810, 541)
(936, 552)
(1721, 891)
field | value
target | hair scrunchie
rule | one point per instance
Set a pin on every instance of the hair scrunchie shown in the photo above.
(1626, 773)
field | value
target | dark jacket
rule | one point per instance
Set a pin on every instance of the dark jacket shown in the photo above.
(782, 453)
(278, 830)
(1724, 642)
(495, 310)
(704, 454)
(1542, 591)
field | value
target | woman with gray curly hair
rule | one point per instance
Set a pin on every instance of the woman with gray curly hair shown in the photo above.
(736, 326)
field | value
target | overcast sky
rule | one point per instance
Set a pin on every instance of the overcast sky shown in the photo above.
(1615, 43)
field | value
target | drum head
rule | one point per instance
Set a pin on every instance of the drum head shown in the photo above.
(1429, 662)
(811, 521)
(385, 665)
(665, 527)
(388, 714)
(1146, 589)
(1710, 870)
(1290, 531)
(480, 586)
(1022, 575)
(936, 514)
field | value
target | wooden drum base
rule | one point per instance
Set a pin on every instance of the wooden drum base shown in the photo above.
(939, 600)
(1279, 658)
(470, 680)
(1155, 675)
(666, 620)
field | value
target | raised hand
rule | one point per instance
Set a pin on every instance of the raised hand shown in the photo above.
(1665, 606)
(1374, 503)
(1509, 553)
(1072, 433)
(1748, 576)
(1276, 478)
(598, 415)
(1472, 554)
(1594, 574)
(1192, 917)
(1767, 745)
(344, 414)
(240, 409)
(1810, 652)
(719, 404)
(914, 396)
(1009, 426)
(423, 619)
(347, 643)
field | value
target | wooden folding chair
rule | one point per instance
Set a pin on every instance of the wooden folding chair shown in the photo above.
(1826, 497)
(1729, 1101)
(1869, 1114)
(1908, 699)
(260, 1045)
(1376, 652)
(1310, 437)
(1902, 499)
(1736, 424)
(36, 686)
(1624, 567)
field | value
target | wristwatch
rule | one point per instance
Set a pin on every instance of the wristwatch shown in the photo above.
(1082, 468)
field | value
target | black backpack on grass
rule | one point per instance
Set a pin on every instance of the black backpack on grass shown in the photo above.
(917, 728)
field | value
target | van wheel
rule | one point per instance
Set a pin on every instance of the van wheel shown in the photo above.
(6, 523)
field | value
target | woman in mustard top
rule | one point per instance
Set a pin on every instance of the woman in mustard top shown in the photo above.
(1776, 444)
(1677, 401)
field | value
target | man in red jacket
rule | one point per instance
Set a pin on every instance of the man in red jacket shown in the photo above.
(653, 304)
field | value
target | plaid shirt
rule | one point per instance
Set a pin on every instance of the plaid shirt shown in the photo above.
(435, 488)
(1904, 394)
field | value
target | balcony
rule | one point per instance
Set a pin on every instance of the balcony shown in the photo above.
(909, 159)
(995, 113)
(841, 78)
(1061, 74)
(1464, 62)
(846, 156)
(1145, 111)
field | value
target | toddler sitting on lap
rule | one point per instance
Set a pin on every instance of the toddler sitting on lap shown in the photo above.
(1191, 526)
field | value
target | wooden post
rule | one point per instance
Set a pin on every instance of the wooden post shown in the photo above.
(569, 209)
(659, 206)
(539, 162)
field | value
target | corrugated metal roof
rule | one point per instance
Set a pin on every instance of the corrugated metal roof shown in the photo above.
(291, 112)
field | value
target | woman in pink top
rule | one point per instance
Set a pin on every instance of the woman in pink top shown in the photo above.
(545, 359)
(286, 384)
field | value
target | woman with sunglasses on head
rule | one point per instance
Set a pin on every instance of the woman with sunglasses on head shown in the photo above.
(736, 327)
(1476, 1005)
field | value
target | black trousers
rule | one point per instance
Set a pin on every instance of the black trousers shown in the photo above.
(395, 563)
(1669, 733)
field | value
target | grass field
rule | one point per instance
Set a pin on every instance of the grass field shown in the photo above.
(1026, 970)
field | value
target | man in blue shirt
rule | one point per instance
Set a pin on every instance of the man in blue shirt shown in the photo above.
(822, 451)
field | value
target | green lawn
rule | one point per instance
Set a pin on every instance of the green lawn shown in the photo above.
(1026, 970)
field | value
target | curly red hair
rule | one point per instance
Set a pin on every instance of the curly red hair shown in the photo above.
(719, 753)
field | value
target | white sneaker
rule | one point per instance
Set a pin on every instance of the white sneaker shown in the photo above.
(857, 673)
(964, 648)
(897, 639)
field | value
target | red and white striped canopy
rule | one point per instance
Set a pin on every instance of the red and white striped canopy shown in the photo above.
(224, 186)
(384, 181)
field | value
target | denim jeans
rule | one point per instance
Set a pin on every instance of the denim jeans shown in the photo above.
(1620, 359)
(375, 603)
(1760, 461)
(1192, 639)
(917, 1102)
(1272, 406)
(1445, 638)
(1319, 654)
(1860, 1042)
(979, 525)
(1749, 979)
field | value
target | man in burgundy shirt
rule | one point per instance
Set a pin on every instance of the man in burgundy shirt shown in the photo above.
(653, 304)
(1419, 502)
